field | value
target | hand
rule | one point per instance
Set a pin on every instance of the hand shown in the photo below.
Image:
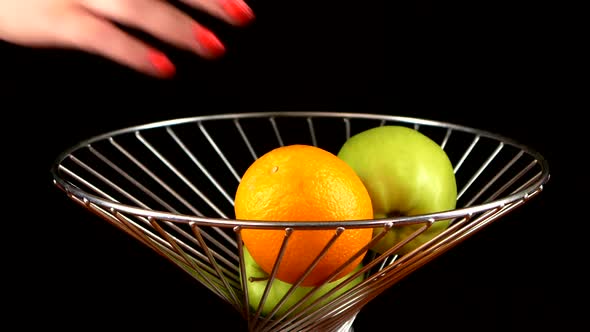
(90, 25)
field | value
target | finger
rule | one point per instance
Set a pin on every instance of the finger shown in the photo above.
(163, 21)
(235, 12)
(85, 31)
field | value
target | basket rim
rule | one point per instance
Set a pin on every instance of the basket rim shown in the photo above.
(523, 194)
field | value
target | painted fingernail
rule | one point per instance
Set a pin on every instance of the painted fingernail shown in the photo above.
(238, 10)
(209, 41)
(161, 63)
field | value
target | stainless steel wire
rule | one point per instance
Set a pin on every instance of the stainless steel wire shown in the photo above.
(170, 185)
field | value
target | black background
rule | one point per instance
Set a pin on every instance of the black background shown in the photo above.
(494, 66)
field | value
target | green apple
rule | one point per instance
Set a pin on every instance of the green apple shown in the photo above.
(257, 279)
(406, 173)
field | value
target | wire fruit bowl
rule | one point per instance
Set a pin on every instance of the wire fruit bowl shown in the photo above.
(170, 185)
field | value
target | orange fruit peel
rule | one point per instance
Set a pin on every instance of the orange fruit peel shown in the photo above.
(298, 183)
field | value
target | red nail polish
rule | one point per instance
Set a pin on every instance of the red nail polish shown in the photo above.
(238, 10)
(163, 65)
(209, 41)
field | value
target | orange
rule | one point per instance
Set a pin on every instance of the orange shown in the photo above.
(303, 183)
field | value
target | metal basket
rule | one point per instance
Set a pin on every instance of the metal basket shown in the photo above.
(170, 185)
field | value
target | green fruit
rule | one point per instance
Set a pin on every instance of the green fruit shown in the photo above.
(257, 279)
(406, 173)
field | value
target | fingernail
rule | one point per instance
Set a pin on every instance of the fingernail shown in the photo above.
(238, 10)
(209, 41)
(161, 63)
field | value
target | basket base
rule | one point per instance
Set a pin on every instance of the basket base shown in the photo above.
(347, 327)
